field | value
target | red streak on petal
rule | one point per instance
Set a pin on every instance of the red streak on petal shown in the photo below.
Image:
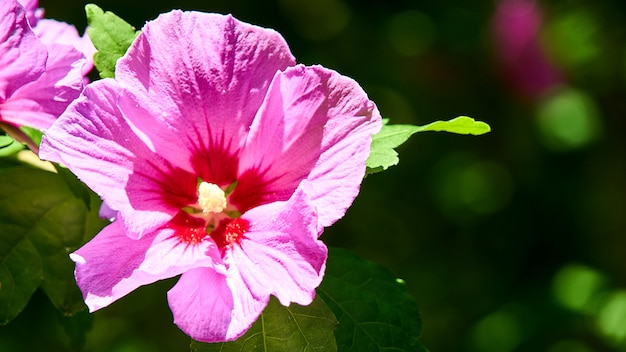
(230, 231)
(188, 229)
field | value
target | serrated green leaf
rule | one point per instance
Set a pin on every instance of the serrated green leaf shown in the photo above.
(284, 329)
(374, 310)
(111, 36)
(41, 221)
(382, 154)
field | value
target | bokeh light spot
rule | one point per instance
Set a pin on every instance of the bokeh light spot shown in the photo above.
(568, 119)
(481, 187)
(574, 286)
(498, 332)
(572, 39)
(612, 317)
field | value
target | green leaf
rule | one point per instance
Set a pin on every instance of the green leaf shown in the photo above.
(382, 153)
(5, 141)
(279, 328)
(20, 136)
(460, 125)
(41, 222)
(78, 188)
(110, 35)
(8, 146)
(374, 310)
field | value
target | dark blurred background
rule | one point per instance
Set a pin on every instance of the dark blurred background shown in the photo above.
(511, 241)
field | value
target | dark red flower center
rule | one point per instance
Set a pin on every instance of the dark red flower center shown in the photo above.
(189, 230)
(210, 216)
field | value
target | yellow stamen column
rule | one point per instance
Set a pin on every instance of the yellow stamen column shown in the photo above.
(211, 198)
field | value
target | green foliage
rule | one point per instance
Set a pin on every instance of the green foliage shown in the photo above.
(460, 125)
(41, 222)
(8, 146)
(111, 35)
(293, 328)
(374, 310)
(382, 154)
(5, 141)
(76, 328)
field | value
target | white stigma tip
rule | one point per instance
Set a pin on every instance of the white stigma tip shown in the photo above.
(211, 198)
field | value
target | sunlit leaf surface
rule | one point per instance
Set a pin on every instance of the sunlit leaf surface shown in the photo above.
(111, 35)
(382, 154)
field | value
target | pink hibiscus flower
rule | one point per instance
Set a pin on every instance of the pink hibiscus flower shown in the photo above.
(37, 80)
(224, 161)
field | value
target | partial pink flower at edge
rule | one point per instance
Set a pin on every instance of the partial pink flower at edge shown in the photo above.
(516, 28)
(38, 103)
(22, 55)
(224, 162)
(52, 32)
(33, 12)
(56, 32)
(37, 81)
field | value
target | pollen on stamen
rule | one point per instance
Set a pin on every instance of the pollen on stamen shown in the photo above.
(211, 198)
(230, 231)
(187, 229)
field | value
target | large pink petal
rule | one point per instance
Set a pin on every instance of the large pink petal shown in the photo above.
(200, 76)
(40, 102)
(314, 124)
(94, 141)
(111, 265)
(281, 254)
(206, 307)
(104, 262)
(22, 55)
